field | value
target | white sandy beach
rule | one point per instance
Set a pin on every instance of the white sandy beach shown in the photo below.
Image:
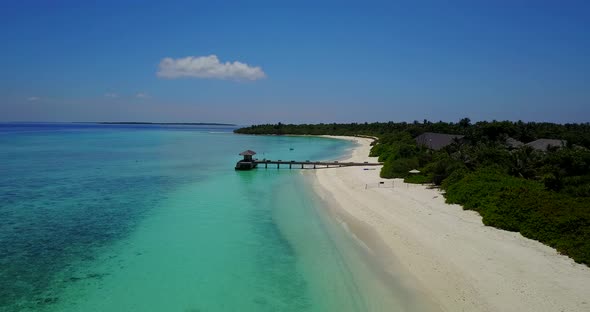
(446, 252)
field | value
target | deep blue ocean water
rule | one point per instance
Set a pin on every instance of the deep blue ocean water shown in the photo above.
(155, 218)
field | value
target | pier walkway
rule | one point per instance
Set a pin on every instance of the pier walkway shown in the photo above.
(312, 164)
(249, 163)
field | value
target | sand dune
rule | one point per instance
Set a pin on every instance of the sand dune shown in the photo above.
(447, 253)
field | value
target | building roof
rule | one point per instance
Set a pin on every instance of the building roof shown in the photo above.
(545, 144)
(437, 141)
(513, 143)
(248, 153)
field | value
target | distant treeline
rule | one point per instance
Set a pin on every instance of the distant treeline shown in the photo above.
(575, 134)
(164, 123)
(545, 195)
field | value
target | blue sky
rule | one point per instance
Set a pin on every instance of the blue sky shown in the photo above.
(307, 62)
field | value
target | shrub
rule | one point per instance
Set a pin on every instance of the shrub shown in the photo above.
(418, 179)
(398, 168)
(455, 177)
(517, 204)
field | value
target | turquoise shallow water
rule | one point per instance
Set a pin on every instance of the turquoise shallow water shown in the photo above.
(132, 218)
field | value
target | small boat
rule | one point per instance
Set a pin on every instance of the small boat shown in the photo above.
(291, 149)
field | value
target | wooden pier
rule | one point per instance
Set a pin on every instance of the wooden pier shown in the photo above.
(250, 163)
(312, 164)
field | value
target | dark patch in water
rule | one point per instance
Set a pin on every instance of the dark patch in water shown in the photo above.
(47, 224)
(46, 301)
(68, 192)
(260, 301)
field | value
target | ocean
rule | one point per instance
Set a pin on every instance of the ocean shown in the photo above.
(155, 218)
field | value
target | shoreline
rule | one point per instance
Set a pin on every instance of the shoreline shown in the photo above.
(444, 252)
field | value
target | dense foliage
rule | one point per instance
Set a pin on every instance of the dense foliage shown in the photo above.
(545, 195)
(576, 134)
(525, 206)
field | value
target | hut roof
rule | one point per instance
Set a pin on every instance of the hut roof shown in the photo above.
(544, 144)
(248, 153)
(513, 143)
(436, 141)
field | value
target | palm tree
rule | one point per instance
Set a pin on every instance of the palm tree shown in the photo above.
(523, 161)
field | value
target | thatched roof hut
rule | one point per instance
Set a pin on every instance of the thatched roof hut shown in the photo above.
(513, 143)
(248, 153)
(545, 144)
(437, 141)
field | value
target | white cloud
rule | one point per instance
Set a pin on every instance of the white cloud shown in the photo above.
(33, 98)
(142, 95)
(111, 95)
(208, 67)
